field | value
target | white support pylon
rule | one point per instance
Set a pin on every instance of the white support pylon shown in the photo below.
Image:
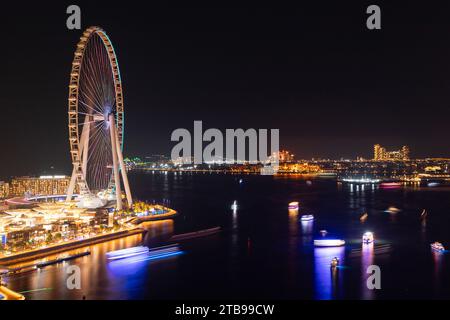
(112, 130)
(85, 149)
(122, 169)
(73, 179)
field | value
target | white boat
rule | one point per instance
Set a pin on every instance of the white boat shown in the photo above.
(293, 205)
(367, 237)
(437, 246)
(234, 206)
(361, 180)
(323, 232)
(329, 242)
(392, 210)
(125, 253)
(307, 217)
(334, 262)
(424, 214)
(364, 217)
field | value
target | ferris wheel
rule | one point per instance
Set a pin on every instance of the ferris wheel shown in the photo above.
(96, 115)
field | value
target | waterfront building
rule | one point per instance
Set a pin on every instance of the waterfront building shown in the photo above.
(282, 156)
(304, 168)
(43, 185)
(4, 190)
(47, 222)
(381, 154)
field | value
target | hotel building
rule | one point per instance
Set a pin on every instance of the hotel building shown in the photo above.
(381, 154)
(43, 185)
(4, 190)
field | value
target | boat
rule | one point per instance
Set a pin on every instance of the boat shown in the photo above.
(307, 217)
(367, 237)
(334, 262)
(234, 206)
(329, 242)
(361, 180)
(364, 217)
(323, 232)
(128, 252)
(195, 234)
(433, 184)
(437, 246)
(390, 185)
(424, 214)
(61, 259)
(164, 251)
(293, 205)
(392, 210)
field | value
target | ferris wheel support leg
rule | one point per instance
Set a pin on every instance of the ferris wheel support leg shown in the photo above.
(71, 187)
(84, 148)
(112, 130)
(84, 143)
(122, 169)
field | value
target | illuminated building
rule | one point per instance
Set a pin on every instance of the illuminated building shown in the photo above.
(381, 154)
(433, 169)
(378, 152)
(43, 185)
(405, 152)
(282, 156)
(4, 190)
(305, 168)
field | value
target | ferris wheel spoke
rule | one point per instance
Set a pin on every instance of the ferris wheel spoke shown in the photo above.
(89, 114)
(90, 93)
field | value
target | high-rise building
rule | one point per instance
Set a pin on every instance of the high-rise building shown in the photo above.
(405, 152)
(4, 190)
(381, 154)
(43, 185)
(282, 156)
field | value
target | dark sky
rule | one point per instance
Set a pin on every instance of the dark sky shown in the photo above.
(332, 87)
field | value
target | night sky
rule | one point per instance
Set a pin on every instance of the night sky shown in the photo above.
(332, 87)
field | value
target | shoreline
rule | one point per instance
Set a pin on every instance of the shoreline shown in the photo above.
(163, 216)
(41, 253)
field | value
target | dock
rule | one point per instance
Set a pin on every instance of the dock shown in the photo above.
(8, 294)
(196, 234)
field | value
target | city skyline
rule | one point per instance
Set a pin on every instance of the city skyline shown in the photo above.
(262, 71)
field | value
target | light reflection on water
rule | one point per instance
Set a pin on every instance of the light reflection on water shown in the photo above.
(328, 280)
(94, 268)
(366, 261)
(307, 232)
(263, 245)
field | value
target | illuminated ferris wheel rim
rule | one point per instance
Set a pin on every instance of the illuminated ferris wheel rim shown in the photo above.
(92, 34)
(95, 84)
(74, 86)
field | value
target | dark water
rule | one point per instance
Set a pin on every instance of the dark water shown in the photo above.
(264, 251)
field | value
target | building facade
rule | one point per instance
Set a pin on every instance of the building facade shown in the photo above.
(4, 190)
(381, 154)
(43, 185)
